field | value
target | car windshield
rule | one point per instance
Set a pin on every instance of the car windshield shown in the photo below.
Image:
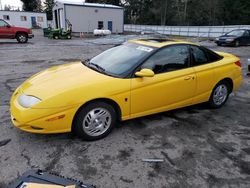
(120, 60)
(236, 33)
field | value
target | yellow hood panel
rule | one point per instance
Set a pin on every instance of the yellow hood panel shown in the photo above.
(72, 84)
(60, 78)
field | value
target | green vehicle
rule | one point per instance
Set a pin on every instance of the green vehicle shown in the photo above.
(61, 33)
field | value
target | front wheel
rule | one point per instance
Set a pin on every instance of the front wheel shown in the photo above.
(22, 37)
(94, 121)
(219, 95)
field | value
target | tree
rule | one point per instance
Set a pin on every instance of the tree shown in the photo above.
(7, 7)
(113, 2)
(49, 4)
(29, 5)
(39, 7)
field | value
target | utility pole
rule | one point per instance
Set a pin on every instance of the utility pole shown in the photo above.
(1, 8)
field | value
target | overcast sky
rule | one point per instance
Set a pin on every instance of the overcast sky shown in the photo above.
(15, 3)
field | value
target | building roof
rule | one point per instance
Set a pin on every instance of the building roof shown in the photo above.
(82, 3)
(20, 11)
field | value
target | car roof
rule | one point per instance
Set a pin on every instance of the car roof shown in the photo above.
(239, 30)
(160, 42)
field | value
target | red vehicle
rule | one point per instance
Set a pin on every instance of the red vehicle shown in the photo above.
(11, 32)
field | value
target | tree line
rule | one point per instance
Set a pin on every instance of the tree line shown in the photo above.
(184, 12)
(169, 12)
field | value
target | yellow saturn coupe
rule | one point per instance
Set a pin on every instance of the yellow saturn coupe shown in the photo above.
(137, 78)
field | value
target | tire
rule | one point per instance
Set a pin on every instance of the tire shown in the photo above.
(22, 37)
(237, 43)
(216, 99)
(100, 115)
(218, 44)
(56, 37)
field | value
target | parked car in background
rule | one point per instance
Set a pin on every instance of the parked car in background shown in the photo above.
(138, 78)
(236, 38)
(11, 32)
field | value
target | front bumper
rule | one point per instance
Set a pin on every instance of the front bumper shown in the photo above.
(44, 121)
(30, 36)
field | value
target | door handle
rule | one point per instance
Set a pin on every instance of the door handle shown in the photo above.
(189, 77)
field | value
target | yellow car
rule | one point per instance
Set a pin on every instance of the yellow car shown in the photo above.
(137, 78)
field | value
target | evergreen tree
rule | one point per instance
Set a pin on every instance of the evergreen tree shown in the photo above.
(49, 4)
(29, 5)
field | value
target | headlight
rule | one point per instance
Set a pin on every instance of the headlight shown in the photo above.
(230, 39)
(27, 101)
(217, 38)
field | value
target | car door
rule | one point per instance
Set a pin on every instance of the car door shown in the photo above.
(201, 61)
(5, 30)
(172, 86)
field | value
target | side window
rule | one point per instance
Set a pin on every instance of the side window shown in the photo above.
(168, 59)
(23, 18)
(2, 23)
(247, 34)
(40, 19)
(100, 24)
(6, 17)
(199, 56)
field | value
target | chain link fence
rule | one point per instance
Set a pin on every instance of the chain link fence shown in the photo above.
(192, 31)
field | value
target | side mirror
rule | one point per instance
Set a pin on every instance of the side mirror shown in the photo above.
(145, 73)
(8, 26)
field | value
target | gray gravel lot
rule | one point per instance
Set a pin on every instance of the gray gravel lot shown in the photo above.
(200, 147)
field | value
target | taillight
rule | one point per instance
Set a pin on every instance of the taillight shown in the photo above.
(238, 63)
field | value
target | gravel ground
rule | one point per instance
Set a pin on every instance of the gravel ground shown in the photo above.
(200, 147)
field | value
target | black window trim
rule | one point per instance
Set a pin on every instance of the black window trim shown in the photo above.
(132, 74)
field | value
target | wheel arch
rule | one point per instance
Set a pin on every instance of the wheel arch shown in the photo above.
(111, 102)
(229, 81)
(18, 32)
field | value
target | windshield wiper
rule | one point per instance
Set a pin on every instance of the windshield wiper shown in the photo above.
(97, 66)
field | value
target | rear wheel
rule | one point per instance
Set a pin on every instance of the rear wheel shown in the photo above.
(22, 37)
(219, 95)
(95, 121)
(237, 43)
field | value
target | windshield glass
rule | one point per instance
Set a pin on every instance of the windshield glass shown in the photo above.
(120, 60)
(236, 33)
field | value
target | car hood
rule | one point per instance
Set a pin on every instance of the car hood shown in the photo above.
(63, 85)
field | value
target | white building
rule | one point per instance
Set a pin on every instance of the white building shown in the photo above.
(85, 17)
(24, 19)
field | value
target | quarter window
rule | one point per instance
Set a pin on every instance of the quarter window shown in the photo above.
(168, 59)
(6, 17)
(199, 56)
(23, 18)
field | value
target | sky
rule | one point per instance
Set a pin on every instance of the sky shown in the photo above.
(15, 3)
